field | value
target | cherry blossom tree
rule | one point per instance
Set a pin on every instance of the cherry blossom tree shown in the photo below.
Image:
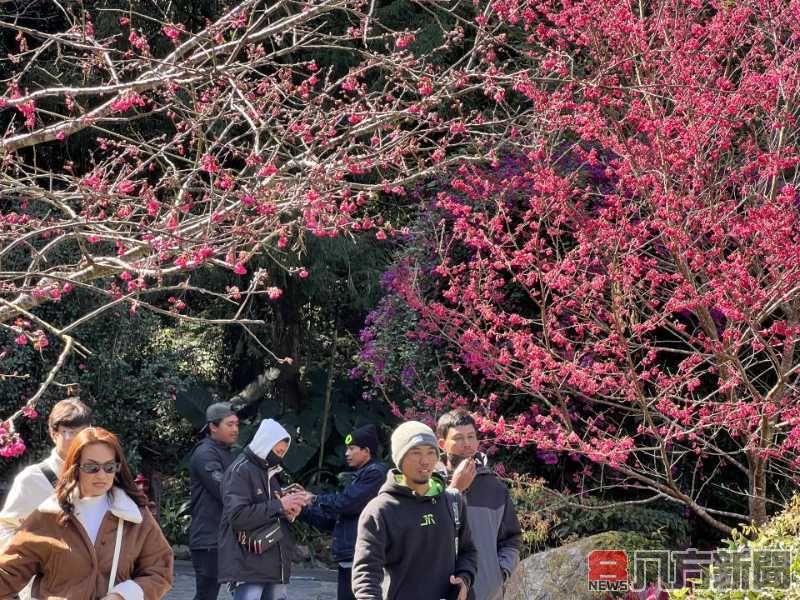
(629, 290)
(138, 151)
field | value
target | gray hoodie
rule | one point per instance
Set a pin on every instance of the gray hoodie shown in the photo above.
(495, 530)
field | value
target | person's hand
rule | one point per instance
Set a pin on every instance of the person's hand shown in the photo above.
(294, 488)
(464, 475)
(292, 505)
(463, 588)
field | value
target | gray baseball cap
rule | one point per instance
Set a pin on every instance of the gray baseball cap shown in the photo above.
(217, 411)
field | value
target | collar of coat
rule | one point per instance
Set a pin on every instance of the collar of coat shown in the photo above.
(256, 459)
(121, 506)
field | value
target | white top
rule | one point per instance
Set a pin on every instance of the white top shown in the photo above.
(29, 489)
(90, 512)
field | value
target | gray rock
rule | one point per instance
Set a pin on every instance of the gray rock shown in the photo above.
(563, 572)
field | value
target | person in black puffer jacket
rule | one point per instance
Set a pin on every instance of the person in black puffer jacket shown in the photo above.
(339, 512)
(255, 545)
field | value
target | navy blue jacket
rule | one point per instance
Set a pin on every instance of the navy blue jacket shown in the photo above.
(340, 511)
(209, 460)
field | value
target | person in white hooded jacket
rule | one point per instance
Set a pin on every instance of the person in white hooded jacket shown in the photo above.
(37, 482)
(255, 545)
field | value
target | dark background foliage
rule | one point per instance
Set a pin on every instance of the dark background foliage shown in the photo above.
(150, 377)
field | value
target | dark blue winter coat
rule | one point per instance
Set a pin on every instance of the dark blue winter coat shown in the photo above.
(209, 460)
(340, 511)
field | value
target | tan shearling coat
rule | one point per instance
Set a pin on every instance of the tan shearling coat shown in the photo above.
(67, 566)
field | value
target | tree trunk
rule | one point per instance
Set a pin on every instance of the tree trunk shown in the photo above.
(757, 467)
(757, 464)
(328, 390)
(286, 330)
(758, 491)
(256, 389)
(155, 491)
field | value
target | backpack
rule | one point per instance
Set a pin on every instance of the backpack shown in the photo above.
(454, 506)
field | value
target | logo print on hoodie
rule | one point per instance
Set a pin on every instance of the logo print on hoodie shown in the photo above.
(427, 520)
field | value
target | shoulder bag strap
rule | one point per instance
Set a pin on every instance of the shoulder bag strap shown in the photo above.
(115, 563)
(49, 473)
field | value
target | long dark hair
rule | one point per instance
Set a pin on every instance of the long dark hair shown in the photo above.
(68, 482)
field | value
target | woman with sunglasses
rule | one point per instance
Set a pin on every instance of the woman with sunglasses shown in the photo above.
(95, 538)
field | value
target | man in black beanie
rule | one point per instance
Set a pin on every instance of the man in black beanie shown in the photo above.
(340, 511)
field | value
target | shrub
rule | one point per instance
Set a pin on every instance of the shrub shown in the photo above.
(550, 518)
(781, 533)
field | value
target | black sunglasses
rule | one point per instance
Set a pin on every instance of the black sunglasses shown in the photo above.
(109, 467)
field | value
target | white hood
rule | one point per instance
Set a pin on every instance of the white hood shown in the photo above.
(269, 433)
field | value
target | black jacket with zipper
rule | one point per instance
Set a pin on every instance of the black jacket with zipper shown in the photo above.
(249, 502)
(406, 545)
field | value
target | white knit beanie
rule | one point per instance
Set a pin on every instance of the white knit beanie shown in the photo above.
(410, 435)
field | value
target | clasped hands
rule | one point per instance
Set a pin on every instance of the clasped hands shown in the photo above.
(295, 501)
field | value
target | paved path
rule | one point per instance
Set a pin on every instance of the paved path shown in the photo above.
(306, 584)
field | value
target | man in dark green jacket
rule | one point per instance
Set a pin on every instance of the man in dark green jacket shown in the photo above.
(413, 541)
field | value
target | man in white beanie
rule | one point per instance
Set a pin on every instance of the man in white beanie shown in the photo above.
(255, 545)
(413, 540)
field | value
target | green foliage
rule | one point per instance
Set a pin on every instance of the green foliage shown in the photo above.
(197, 348)
(345, 271)
(130, 381)
(781, 533)
(663, 525)
(348, 411)
(176, 514)
(132, 384)
(552, 519)
(191, 404)
(536, 521)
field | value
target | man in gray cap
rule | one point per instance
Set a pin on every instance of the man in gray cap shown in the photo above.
(209, 460)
